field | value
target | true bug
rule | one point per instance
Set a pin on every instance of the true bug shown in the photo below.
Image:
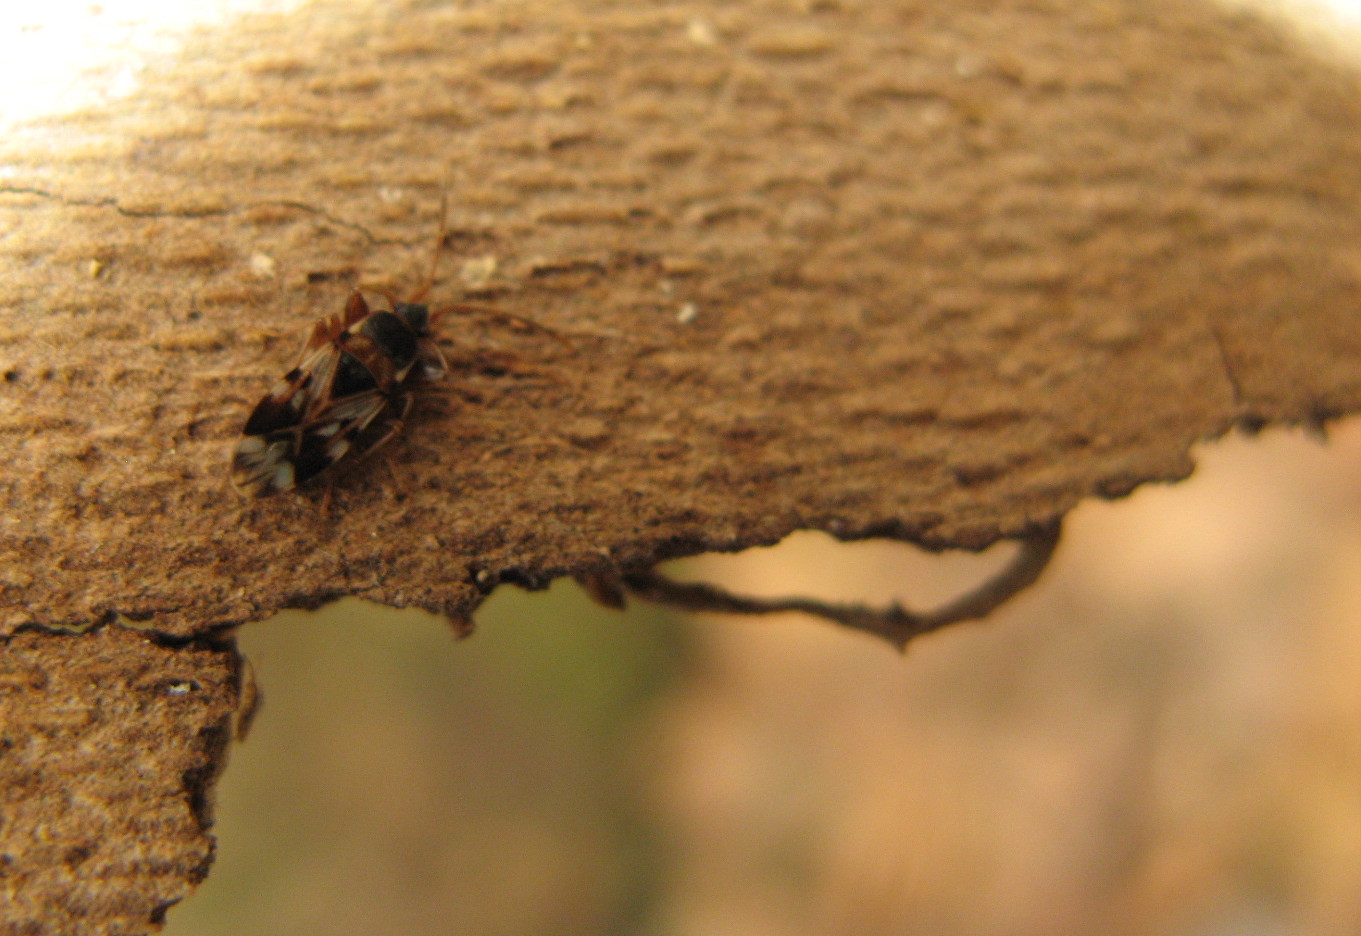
(350, 392)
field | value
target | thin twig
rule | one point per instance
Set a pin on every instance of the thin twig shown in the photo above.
(894, 623)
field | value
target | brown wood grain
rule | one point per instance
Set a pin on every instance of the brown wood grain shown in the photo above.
(923, 270)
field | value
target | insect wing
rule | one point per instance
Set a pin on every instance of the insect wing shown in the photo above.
(296, 398)
(337, 431)
(262, 465)
(282, 458)
(266, 458)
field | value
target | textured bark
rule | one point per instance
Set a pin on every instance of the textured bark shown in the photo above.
(950, 272)
(929, 271)
(110, 744)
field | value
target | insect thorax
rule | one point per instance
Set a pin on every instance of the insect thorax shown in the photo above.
(415, 314)
(394, 334)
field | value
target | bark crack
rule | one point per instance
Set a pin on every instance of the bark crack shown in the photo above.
(114, 204)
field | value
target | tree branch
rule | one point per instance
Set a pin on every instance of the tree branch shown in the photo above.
(894, 623)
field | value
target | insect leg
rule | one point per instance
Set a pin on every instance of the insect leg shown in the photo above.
(496, 314)
(392, 427)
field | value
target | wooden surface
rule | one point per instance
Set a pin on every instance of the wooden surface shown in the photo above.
(110, 745)
(949, 273)
(929, 271)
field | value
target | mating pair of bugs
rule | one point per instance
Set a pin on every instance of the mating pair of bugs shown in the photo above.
(350, 392)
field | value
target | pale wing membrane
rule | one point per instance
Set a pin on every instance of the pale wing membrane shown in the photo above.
(260, 465)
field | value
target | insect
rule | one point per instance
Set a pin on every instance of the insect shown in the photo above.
(350, 392)
(353, 386)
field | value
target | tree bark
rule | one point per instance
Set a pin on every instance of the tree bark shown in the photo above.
(934, 272)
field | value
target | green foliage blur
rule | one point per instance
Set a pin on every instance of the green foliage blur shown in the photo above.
(398, 780)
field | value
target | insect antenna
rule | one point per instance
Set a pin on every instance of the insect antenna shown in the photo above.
(439, 246)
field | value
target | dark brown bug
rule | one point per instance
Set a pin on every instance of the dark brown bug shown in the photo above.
(353, 386)
(350, 392)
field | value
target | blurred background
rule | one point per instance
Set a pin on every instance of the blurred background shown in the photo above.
(1163, 736)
